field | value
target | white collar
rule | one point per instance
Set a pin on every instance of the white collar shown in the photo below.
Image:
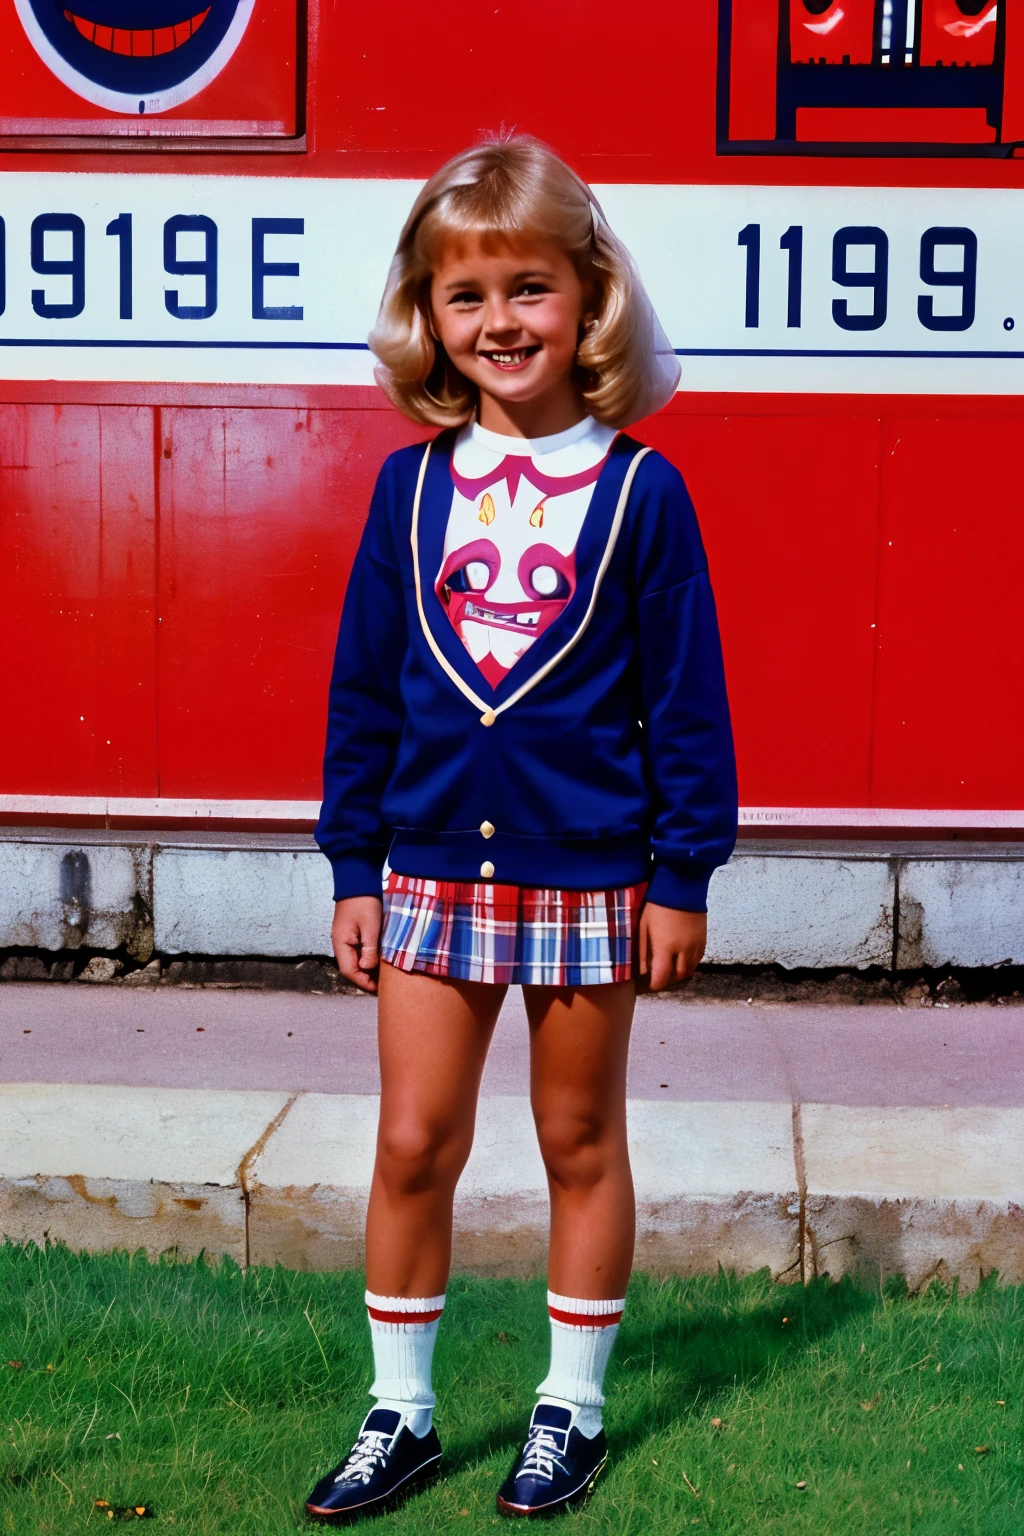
(502, 445)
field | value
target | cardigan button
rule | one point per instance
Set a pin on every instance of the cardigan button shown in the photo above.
(486, 870)
(486, 829)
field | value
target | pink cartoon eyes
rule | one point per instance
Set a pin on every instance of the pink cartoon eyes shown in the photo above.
(545, 573)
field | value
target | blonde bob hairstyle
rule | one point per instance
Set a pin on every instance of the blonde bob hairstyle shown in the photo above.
(509, 190)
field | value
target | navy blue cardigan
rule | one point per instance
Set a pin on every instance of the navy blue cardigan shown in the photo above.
(603, 758)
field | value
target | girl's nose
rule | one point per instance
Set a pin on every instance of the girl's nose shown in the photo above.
(499, 318)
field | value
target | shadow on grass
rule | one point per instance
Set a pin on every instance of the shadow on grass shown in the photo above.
(669, 1369)
(682, 1363)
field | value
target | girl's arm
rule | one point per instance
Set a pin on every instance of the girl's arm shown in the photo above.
(691, 762)
(364, 715)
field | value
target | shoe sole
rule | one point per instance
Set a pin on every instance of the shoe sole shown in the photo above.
(542, 1511)
(414, 1483)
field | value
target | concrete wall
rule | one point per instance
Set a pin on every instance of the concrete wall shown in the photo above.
(799, 905)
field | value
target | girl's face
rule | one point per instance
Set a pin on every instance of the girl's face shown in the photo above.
(509, 318)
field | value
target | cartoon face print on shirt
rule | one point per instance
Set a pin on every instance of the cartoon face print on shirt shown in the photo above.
(135, 56)
(509, 565)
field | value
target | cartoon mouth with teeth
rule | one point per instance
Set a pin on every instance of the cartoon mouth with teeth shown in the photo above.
(138, 57)
(498, 615)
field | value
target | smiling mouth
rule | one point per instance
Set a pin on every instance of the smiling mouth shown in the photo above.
(502, 620)
(511, 359)
(138, 42)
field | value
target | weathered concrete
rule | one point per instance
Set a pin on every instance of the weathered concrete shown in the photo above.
(61, 895)
(793, 909)
(282, 1178)
(948, 1152)
(256, 901)
(962, 911)
(794, 904)
(97, 1215)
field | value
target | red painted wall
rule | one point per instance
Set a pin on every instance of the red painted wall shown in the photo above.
(174, 557)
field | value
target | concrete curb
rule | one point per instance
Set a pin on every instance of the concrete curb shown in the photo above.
(281, 1178)
(794, 904)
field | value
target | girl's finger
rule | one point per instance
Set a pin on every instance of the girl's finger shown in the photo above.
(642, 943)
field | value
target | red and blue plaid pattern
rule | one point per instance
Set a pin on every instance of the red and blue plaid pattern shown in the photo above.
(510, 934)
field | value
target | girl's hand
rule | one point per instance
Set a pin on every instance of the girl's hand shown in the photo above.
(671, 944)
(355, 935)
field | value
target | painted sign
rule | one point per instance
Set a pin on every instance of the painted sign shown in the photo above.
(148, 67)
(871, 77)
(242, 280)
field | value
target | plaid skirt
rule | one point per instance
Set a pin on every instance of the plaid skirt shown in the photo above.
(510, 934)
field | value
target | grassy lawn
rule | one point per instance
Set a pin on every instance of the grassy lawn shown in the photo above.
(212, 1398)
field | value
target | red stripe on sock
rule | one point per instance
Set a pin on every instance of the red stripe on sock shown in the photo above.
(585, 1319)
(403, 1317)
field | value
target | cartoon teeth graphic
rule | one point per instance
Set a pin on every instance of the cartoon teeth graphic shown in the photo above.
(138, 57)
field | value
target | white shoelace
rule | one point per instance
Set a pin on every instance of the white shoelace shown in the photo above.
(541, 1454)
(369, 1452)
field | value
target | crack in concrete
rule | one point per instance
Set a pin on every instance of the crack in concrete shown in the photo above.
(800, 1168)
(258, 1147)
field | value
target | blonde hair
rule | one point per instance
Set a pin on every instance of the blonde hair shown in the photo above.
(508, 190)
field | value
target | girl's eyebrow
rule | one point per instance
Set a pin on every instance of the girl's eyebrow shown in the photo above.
(517, 277)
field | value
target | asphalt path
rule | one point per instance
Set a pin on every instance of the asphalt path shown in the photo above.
(213, 1038)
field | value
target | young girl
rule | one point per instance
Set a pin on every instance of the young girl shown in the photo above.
(528, 723)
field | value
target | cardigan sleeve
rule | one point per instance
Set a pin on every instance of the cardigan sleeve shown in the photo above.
(691, 763)
(364, 713)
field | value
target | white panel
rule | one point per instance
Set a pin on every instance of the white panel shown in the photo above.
(684, 238)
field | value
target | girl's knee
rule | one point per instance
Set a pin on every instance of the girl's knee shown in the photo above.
(413, 1156)
(578, 1149)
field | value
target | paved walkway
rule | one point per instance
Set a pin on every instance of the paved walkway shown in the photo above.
(209, 1038)
(800, 1137)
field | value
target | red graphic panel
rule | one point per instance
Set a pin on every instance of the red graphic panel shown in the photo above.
(78, 600)
(949, 728)
(261, 512)
(840, 32)
(878, 76)
(963, 33)
(149, 68)
(792, 547)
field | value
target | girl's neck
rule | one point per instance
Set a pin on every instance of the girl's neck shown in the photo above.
(532, 418)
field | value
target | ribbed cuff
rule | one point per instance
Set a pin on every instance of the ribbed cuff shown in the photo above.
(359, 874)
(404, 1309)
(577, 1312)
(683, 886)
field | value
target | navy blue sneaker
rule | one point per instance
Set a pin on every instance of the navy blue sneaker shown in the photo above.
(557, 1466)
(386, 1463)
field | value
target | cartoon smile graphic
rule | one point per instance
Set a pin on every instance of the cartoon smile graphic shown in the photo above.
(135, 56)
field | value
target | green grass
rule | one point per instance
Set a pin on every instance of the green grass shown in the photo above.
(213, 1397)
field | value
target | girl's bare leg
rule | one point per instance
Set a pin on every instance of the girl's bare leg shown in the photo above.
(433, 1038)
(579, 1042)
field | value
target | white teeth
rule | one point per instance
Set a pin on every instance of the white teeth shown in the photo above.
(527, 618)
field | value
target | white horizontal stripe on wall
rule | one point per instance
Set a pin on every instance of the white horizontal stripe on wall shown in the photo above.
(178, 809)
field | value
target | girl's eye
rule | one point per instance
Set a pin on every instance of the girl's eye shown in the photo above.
(468, 297)
(530, 290)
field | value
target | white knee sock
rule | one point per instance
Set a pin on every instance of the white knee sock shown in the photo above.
(582, 1335)
(403, 1329)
